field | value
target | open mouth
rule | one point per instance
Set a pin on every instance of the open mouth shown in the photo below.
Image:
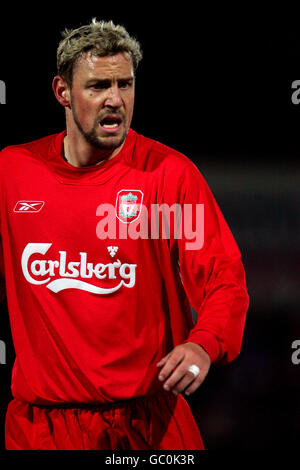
(111, 122)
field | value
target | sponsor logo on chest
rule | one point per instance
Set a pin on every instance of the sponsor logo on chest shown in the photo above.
(62, 273)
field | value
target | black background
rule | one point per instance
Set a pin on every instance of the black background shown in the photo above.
(216, 85)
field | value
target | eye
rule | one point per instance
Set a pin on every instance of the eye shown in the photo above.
(100, 85)
(124, 84)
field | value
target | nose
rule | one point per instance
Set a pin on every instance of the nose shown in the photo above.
(114, 99)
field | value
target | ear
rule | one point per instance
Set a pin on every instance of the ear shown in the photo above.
(61, 91)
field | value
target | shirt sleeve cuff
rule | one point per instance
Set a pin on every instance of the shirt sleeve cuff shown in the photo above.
(208, 342)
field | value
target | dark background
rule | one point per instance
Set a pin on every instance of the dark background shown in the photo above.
(216, 85)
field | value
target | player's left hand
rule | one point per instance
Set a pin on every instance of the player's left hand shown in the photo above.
(175, 373)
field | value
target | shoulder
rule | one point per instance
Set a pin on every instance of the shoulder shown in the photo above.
(154, 155)
(34, 149)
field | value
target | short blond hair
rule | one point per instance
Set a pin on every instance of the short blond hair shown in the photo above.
(101, 38)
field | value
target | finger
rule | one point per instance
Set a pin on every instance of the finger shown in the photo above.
(177, 376)
(194, 385)
(184, 383)
(162, 361)
(172, 362)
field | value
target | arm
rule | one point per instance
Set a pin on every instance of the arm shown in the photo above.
(214, 281)
(2, 279)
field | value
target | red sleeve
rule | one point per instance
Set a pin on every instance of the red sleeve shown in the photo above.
(212, 274)
(2, 279)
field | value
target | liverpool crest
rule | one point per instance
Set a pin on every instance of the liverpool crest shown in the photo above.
(129, 205)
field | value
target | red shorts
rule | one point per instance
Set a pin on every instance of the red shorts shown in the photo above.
(159, 422)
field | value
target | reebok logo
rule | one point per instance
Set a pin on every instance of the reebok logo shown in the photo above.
(28, 206)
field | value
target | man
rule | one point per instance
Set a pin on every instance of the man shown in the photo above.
(99, 299)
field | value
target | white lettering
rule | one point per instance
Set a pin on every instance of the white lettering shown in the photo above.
(130, 275)
(30, 249)
(165, 210)
(127, 460)
(98, 270)
(2, 92)
(52, 265)
(39, 268)
(72, 266)
(66, 269)
(295, 95)
(198, 234)
(139, 229)
(171, 459)
(106, 227)
(2, 352)
(84, 267)
(296, 354)
(184, 222)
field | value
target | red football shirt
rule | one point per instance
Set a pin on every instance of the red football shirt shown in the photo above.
(94, 302)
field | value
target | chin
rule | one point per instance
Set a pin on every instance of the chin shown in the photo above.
(112, 141)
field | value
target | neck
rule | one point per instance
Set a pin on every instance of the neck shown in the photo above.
(80, 154)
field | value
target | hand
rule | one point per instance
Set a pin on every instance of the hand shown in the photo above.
(175, 366)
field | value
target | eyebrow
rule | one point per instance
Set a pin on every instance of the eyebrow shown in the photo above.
(107, 81)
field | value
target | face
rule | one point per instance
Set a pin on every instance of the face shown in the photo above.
(102, 99)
